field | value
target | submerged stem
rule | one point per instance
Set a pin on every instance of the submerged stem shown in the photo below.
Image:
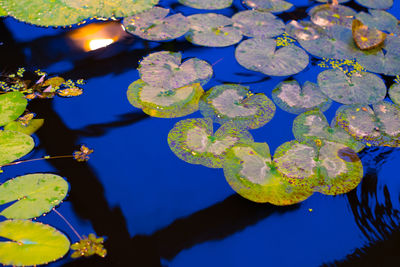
(29, 160)
(67, 222)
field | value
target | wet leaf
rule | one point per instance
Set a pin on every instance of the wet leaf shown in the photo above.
(289, 96)
(312, 127)
(207, 4)
(154, 25)
(88, 246)
(273, 6)
(12, 105)
(193, 141)
(232, 102)
(28, 129)
(14, 145)
(31, 243)
(263, 56)
(213, 30)
(253, 23)
(367, 38)
(363, 88)
(34, 194)
(376, 4)
(164, 69)
(250, 172)
(328, 15)
(165, 103)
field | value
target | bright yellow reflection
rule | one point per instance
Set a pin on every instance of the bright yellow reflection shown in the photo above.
(99, 43)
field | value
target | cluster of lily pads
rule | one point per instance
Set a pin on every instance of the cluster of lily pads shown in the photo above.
(323, 157)
(29, 196)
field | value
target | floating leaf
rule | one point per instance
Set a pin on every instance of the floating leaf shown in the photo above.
(329, 1)
(88, 246)
(34, 194)
(261, 55)
(379, 19)
(193, 141)
(304, 30)
(14, 145)
(365, 37)
(289, 96)
(213, 30)
(70, 92)
(379, 126)
(273, 6)
(312, 127)
(54, 82)
(376, 4)
(3, 12)
(328, 15)
(28, 129)
(165, 103)
(207, 4)
(331, 168)
(232, 102)
(253, 23)
(31, 243)
(154, 25)
(12, 105)
(164, 69)
(394, 93)
(360, 88)
(250, 172)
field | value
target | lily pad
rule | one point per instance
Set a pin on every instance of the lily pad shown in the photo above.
(31, 243)
(232, 102)
(213, 30)
(376, 126)
(273, 6)
(207, 4)
(3, 12)
(360, 88)
(312, 127)
(29, 129)
(328, 15)
(379, 19)
(367, 38)
(193, 141)
(14, 145)
(12, 105)
(165, 103)
(330, 1)
(289, 96)
(331, 168)
(250, 172)
(154, 25)
(394, 93)
(263, 56)
(253, 23)
(376, 4)
(34, 194)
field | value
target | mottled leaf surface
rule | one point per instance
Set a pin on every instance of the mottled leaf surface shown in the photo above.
(14, 145)
(12, 105)
(207, 4)
(253, 23)
(273, 6)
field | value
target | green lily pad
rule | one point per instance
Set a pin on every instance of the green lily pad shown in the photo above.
(14, 145)
(207, 4)
(232, 102)
(213, 30)
(273, 6)
(379, 19)
(261, 55)
(289, 96)
(3, 12)
(360, 88)
(154, 25)
(12, 105)
(328, 15)
(376, 4)
(312, 126)
(394, 93)
(250, 172)
(193, 141)
(165, 103)
(377, 126)
(31, 243)
(331, 168)
(34, 194)
(29, 129)
(253, 23)
(164, 69)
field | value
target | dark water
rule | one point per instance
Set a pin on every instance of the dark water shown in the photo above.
(156, 210)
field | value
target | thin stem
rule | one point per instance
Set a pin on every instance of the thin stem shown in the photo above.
(67, 222)
(29, 160)
(217, 61)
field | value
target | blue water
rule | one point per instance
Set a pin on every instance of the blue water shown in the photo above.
(156, 210)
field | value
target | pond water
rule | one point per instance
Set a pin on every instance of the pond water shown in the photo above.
(155, 209)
